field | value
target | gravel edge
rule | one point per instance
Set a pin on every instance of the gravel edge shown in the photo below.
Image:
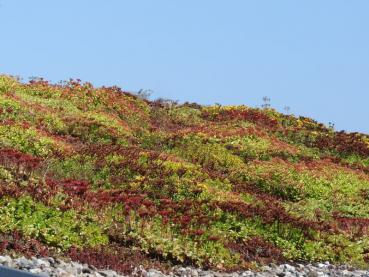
(50, 267)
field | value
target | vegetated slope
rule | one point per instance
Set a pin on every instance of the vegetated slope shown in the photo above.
(102, 176)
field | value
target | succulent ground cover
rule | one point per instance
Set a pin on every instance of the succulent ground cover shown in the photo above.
(105, 177)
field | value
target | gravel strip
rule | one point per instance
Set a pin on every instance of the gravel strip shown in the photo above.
(50, 267)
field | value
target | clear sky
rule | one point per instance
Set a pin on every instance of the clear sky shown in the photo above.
(311, 55)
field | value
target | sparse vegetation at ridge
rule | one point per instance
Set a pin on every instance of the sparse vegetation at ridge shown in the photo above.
(124, 179)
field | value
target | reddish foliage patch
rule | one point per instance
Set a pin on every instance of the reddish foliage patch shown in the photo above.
(185, 213)
(270, 212)
(76, 187)
(358, 225)
(116, 257)
(344, 143)
(21, 161)
(39, 192)
(220, 130)
(28, 247)
(257, 249)
(356, 167)
(131, 200)
(252, 115)
(101, 258)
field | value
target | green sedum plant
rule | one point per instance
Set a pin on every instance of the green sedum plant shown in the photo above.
(49, 225)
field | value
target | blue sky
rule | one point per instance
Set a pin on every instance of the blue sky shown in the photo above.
(311, 55)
